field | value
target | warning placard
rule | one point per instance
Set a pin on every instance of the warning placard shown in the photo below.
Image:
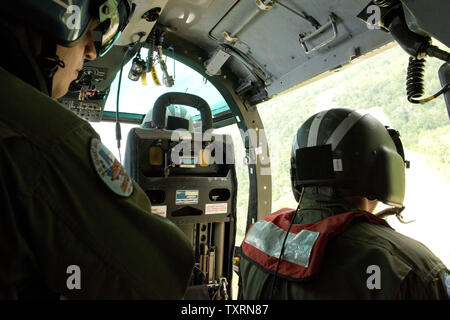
(186, 197)
(160, 211)
(216, 208)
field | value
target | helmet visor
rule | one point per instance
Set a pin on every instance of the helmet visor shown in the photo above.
(108, 31)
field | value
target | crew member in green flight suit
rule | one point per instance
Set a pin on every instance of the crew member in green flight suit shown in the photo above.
(72, 222)
(333, 246)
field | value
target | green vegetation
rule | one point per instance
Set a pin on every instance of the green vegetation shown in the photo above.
(423, 127)
(376, 83)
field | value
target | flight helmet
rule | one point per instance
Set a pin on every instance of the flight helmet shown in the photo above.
(65, 22)
(62, 22)
(352, 152)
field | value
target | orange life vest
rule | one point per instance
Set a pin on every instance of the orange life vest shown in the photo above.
(305, 246)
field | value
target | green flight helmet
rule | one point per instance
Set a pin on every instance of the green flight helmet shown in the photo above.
(65, 22)
(352, 152)
(177, 117)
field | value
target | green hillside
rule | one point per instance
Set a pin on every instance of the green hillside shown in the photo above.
(376, 83)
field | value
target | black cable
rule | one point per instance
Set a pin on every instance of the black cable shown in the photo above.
(284, 242)
(418, 47)
(415, 82)
(151, 48)
(415, 79)
(435, 52)
(118, 130)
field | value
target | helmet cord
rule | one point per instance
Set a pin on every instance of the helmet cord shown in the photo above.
(118, 130)
(284, 242)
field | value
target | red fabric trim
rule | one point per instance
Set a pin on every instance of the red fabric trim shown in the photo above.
(268, 262)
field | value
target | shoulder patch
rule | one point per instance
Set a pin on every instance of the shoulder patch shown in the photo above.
(110, 169)
(447, 283)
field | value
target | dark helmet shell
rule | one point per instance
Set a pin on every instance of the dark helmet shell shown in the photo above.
(350, 151)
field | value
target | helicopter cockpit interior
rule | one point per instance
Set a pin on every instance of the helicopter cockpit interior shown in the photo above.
(240, 53)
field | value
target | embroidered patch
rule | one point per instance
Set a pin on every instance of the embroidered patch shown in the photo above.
(110, 170)
(447, 283)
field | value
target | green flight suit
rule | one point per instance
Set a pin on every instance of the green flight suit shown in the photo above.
(408, 270)
(56, 211)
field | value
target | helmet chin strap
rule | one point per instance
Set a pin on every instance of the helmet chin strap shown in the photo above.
(49, 62)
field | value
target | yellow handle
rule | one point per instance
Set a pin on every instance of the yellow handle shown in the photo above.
(155, 77)
(144, 78)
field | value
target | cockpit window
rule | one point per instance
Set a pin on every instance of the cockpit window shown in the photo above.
(136, 97)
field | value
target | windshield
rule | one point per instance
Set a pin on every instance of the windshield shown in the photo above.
(138, 97)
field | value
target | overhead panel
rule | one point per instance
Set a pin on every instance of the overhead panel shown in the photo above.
(294, 41)
(145, 15)
(283, 43)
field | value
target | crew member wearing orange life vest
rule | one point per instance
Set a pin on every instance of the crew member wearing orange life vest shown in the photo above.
(332, 246)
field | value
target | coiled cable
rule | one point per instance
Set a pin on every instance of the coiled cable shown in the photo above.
(415, 79)
(415, 82)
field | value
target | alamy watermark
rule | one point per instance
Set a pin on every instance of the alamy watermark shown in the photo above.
(74, 20)
(74, 280)
(374, 280)
(374, 19)
(73, 14)
(208, 148)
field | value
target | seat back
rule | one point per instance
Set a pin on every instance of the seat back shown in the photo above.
(190, 178)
